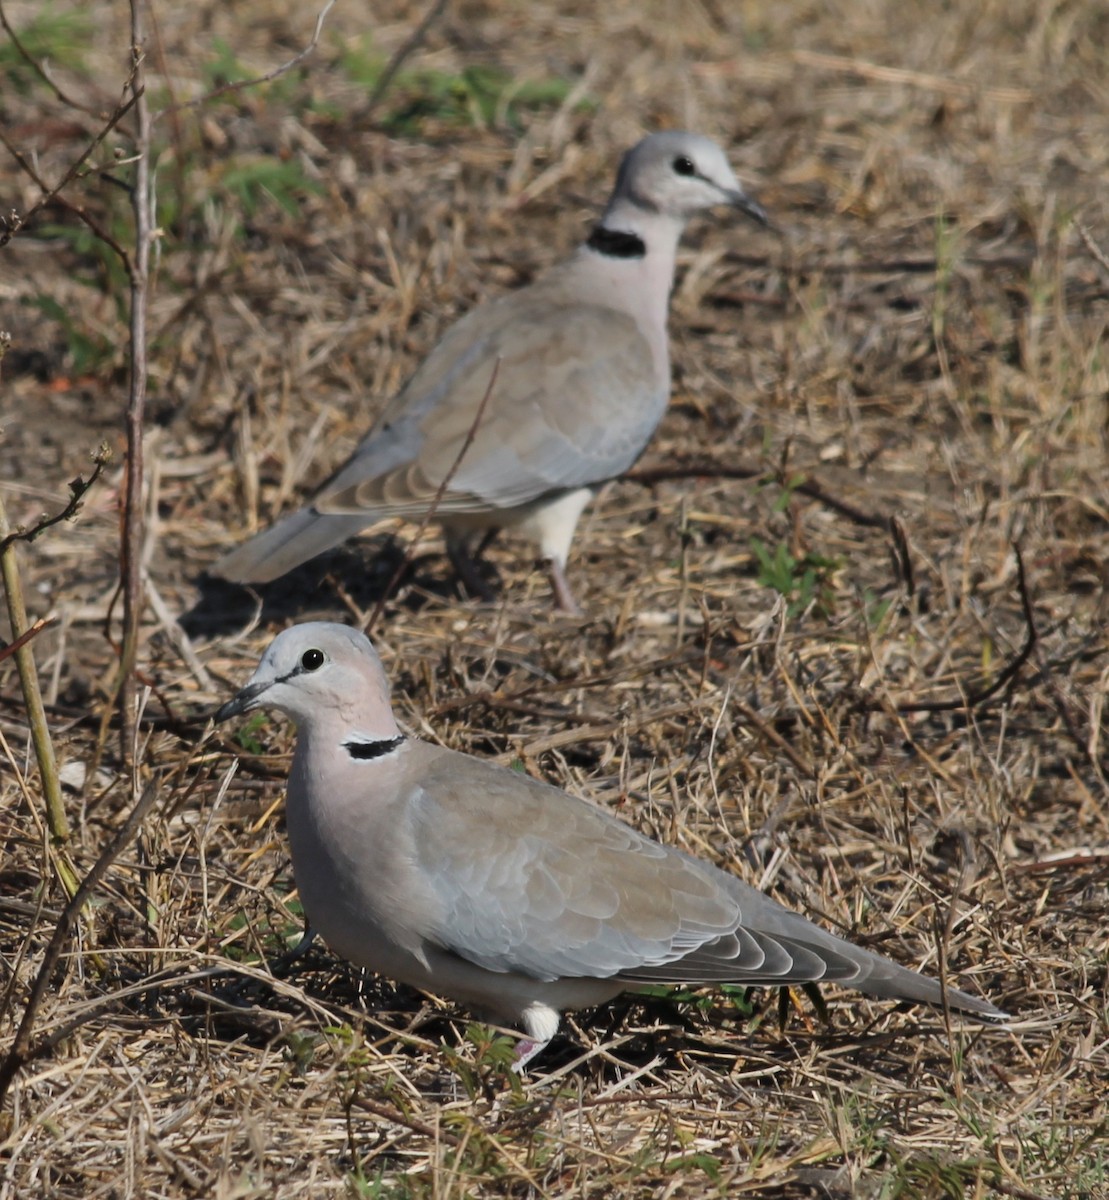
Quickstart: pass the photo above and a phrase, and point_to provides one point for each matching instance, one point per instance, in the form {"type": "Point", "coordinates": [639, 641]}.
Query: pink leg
{"type": "Point", "coordinates": [564, 598]}
{"type": "Point", "coordinates": [526, 1050]}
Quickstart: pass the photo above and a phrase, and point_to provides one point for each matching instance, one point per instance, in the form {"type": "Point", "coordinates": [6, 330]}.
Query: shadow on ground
{"type": "Point", "coordinates": [349, 581]}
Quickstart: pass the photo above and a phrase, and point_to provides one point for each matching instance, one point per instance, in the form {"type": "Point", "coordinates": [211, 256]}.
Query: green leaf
{"type": "Point", "coordinates": [283, 182]}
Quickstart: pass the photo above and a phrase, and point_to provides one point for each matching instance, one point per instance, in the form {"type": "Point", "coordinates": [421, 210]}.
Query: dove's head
{"type": "Point", "coordinates": [679, 174]}
{"type": "Point", "coordinates": [320, 673]}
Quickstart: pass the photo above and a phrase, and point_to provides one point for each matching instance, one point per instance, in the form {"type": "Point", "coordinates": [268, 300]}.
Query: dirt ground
{"type": "Point", "coordinates": [807, 651]}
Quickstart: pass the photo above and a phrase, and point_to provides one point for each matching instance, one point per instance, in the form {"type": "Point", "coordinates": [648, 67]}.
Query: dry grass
{"type": "Point", "coordinates": [927, 342]}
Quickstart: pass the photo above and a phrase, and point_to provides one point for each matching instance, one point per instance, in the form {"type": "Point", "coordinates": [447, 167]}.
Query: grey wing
{"type": "Point", "coordinates": [556, 888]}
{"type": "Point", "coordinates": [532, 881]}
{"type": "Point", "coordinates": [573, 397]}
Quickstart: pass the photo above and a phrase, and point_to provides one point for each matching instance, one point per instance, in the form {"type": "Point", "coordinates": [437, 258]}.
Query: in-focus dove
{"type": "Point", "coordinates": [576, 367]}
{"type": "Point", "coordinates": [509, 895]}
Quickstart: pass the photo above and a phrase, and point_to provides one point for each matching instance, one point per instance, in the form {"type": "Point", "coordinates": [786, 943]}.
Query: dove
{"type": "Point", "coordinates": [507, 894]}
{"type": "Point", "coordinates": [532, 400]}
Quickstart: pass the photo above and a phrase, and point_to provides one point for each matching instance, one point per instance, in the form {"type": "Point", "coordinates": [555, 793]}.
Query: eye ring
{"type": "Point", "coordinates": [683, 165]}
{"type": "Point", "coordinates": [312, 660]}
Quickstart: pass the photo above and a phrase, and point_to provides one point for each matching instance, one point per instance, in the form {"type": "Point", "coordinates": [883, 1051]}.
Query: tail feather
{"type": "Point", "coordinates": [292, 541]}
{"type": "Point", "coordinates": [885, 979]}
{"type": "Point", "coordinates": [811, 955]}
{"type": "Point", "coordinates": [817, 962]}
{"type": "Point", "coordinates": [873, 975]}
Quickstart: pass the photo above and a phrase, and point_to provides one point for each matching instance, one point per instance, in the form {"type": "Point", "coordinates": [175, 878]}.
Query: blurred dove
{"type": "Point", "coordinates": [576, 371]}
{"type": "Point", "coordinates": [509, 895]}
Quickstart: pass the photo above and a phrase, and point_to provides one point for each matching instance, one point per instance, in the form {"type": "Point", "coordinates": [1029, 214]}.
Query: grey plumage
{"type": "Point", "coordinates": [576, 367]}
{"type": "Point", "coordinates": [464, 878]}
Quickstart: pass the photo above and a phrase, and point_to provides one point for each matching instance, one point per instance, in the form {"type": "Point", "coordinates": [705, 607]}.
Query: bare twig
{"type": "Point", "coordinates": [24, 632]}
{"type": "Point", "coordinates": [1009, 673]}
{"type": "Point", "coordinates": [35, 66]}
{"type": "Point", "coordinates": [36, 715]}
{"type": "Point", "coordinates": [600, 731]}
{"type": "Point", "coordinates": [709, 469]}
{"type": "Point", "coordinates": [244, 84]}
{"type": "Point", "coordinates": [27, 636]}
{"type": "Point", "coordinates": [386, 1112]}
{"type": "Point", "coordinates": [816, 263]}
{"type": "Point", "coordinates": [52, 193]}
{"type": "Point", "coordinates": [179, 159]}
{"type": "Point", "coordinates": [402, 566]}
{"type": "Point", "coordinates": [775, 739]}
{"type": "Point", "coordinates": [1065, 862]}
{"type": "Point", "coordinates": [410, 45]}
{"type": "Point", "coordinates": [79, 211]}
{"type": "Point", "coordinates": [900, 75]}
{"type": "Point", "coordinates": [902, 558]}
{"type": "Point", "coordinates": [19, 1053]}
{"type": "Point", "coordinates": [943, 947]}
{"type": "Point", "coordinates": [177, 635]}
{"type": "Point", "coordinates": [131, 542]}
{"type": "Point", "coordinates": [77, 489]}
{"type": "Point", "coordinates": [1095, 250]}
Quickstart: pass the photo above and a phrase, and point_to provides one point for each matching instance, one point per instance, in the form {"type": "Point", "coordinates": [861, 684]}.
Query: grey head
{"type": "Point", "coordinates": [677, 175]}
{"type": "Point", "coordinates": [320, 672]}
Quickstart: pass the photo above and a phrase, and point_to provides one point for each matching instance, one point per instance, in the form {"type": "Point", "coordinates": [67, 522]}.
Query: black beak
{"type": "Point", "coordinates": [241, 702]}
{"type": "Point", "coordinates": [751, 207]}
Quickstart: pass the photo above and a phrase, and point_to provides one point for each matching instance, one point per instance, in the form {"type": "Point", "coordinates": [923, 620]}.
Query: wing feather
{"type": "Point", "coordinates": [575, 892]}
{"type": "Point", "coordinates": [529, 880]}
{"type": "Point", "coordinates": [575, 399]}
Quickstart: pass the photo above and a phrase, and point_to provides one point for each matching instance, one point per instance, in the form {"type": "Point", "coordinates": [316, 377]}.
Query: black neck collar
{"type": "Point", "coordinates": [364, 750]}
{"type": "Point", "coordinates": [615, 243]}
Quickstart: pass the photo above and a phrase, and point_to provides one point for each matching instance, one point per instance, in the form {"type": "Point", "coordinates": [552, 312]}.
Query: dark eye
{"type": "Point", "coordinates": [312, 660]}
{"type": "Point", "coordinates": [683, 166]}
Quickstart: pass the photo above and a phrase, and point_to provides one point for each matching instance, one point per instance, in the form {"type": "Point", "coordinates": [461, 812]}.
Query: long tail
{"type": "Point", "coordinates": [880, 977]}
{"type": "Point", "coordinates": [292, 541]}
{"type": "Point", "coordinates": [774, 946]}
{"type": "Point", "coordinates": [854, 966]}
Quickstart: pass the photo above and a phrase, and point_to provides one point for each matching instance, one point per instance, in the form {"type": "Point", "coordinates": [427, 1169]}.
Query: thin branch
{"type": "Point", "coordinates": [943, 945]}
{"type": "Point", "coordinates": [386, 1112]}
{"type": "Point", "coordinates": [975, 699]}
{"type": "Point", "coordinates": [27, 636]}
{"type": "Point", "coordinates": [902, 558]}
{"type": "Point", "coordinates": [901, 76]}
{"type": "Point", "coordinates": [35, 66]}
{"type": "Point", "coordinates": [177, 635]}
{"type": "Point", "coordinates": [710, 469]}
{"type": "Point", "coordinates": [1065, 862]}
{"type": "Point", "coordinates": [1095, 250]}
{"type": "Point", "coordinates": [19, 1053]}
{"type": "Point", "coordinates": [77, 489]}
{"type": "Point", "coordinates": [817, 263]}
{"type": "Point", "coordinates": [180, 157]}
{"type": "Point", "coordinates": [32, 700]}
{"type": "Point", "coordinates": [410, 45]}
{"type": "Point", "coordinates": [85, 217]}
{"type": "Point", "coordinates": [52, 194]}
{"type": "Point", "coordinates": [133, 518]}
{"type": "Point", "coordinates": [1012, 669]}
{"type": "Point", "coordinates": [547, 688]}
{"type": "Point", "coordinates": [243, 84]}
{"type": "Point", "coordinates": [429, 516]}
{"type": "Point", "coordinates": [775, 739]}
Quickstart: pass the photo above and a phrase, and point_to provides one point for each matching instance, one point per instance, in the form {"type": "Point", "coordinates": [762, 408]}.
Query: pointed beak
{"type": "Point", "coordinates": [751, 207]}
{"type": "Point", "coordinates": [241, 702]}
